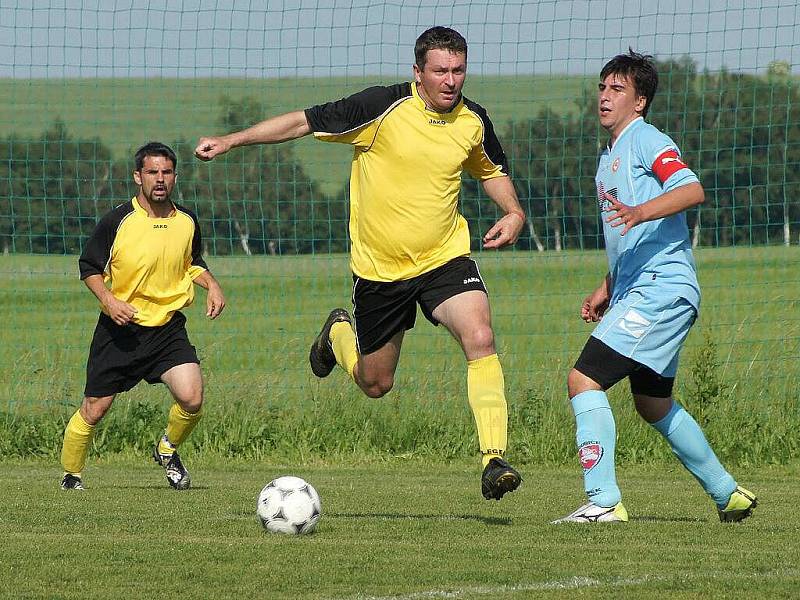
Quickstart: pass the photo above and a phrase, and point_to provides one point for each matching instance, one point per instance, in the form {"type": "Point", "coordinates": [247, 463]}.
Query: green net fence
{"type": "Point", "coordinates": [83, 83]}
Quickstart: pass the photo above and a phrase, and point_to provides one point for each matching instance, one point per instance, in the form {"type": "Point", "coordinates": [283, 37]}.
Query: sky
{"type": "Point", "coordinates": [262, 39]}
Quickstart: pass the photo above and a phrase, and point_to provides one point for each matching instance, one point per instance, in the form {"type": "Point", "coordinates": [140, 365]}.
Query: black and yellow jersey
{"type": "Point", "coordinates": [406, 176]}
{"type": "Point", "coordinates": [150, 262]}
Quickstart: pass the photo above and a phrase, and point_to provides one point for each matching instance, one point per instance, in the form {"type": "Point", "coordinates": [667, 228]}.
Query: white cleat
{"type": "Point", "coordinates": [592, 513]}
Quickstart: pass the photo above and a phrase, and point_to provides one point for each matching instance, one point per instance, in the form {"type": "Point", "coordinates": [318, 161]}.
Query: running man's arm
{"type": "Point", "coordinates": [285, 127]}
{"type": "Point", "coordinates": [95, 259]}
{"type": "Point", "coordinates": [507, 229]}
{"type": "Point", "coordinates": [596, 303]}
{"type": "Point", "coordinates": [681, 189]}
{"type": "Point", "coordinates": [120, 312]}
{"type": "Point", "coordinates": [665, 205]}
{"type": "Point", "coordinates": [215, 299]}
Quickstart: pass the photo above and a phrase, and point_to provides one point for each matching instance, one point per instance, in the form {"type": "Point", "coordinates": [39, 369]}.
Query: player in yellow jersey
{"type": "Point", "coordinates": [410, 245]}
{"type": "Point", "coordinates": [149, 251]}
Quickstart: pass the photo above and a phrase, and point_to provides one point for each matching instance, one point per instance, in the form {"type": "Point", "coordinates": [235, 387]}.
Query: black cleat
{"type": "Point", "coordinates": [177, 475]}
{"type": "Point", "coordinates": [321, 355]}
{"type": "Point", "coordinates": [71, 482]}
{"type": "Point", "coordinates": [498, 478]}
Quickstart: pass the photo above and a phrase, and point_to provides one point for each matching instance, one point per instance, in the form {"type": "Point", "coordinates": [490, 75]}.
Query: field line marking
{"type": "Point", "coordinates": [566, 584]}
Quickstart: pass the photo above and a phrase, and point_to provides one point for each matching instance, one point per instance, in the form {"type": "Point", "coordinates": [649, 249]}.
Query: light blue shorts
{"type": "Point", "coordinates": [649, 329]}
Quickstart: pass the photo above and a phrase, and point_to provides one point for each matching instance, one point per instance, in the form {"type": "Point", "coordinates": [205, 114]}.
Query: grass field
{"type": "Point", "coordinates": [403, 516]}
{"type": "Point", "coordinates": [739, 370]}
{"type": "Point", "coordinates": [394, 530]}
{"type": "Point", "coordinates": [112, 109]}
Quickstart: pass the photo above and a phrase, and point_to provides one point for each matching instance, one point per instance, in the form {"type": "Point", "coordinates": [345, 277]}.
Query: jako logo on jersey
{"type": "Point", "coordinates": [437, 122]}
{"type": "Point", "coordinates": [471, 280]}
{"type": "Point", "coordinates": [590, 454]}
{"type": "Point", "coordinates": [634, 324]}
{"type": "Point", "coordinates": [157, 226]}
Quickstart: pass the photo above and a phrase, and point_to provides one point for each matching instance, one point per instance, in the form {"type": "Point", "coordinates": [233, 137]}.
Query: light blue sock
{"type": "Point", "coordinates": [691, 447]}
{"type": "Point", "coordinates": [596, 435]}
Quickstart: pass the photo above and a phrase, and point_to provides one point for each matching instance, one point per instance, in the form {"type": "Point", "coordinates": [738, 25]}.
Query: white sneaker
{"type": "Point", "coordinates": [592, 513]}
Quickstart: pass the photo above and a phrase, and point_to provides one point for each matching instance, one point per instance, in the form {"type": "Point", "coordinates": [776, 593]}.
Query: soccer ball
{"type": "Point", "coordinates": [289, 505]}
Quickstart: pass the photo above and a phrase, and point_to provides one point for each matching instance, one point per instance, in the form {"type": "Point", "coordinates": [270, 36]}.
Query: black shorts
{"type": "Point", "coordinates": [606, 366]}
{"type": "Point", "coordinates": [122, 355]}
{"type": "Point", "coordinates": [382, 309]}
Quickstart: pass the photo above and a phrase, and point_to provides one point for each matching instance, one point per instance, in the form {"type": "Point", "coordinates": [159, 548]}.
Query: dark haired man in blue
{"type": "Point", "coordinates": [646, 303]}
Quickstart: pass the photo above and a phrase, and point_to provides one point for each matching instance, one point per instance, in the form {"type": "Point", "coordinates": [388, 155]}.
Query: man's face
{"type": "Point", "coordinates": [439, 83]}
{"type": "Point", "coordinates": [617, 103]}
{"type": "Point", "coordinates": [156, 179]}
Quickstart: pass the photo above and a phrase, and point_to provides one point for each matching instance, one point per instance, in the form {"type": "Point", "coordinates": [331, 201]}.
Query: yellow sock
{"type": "Point", "coordinates": [179, 425]}
{"type": "Point", "coordinates": [487, 399]}
{"type": "Point", "coordinates": [77, 439]}
{"type": "Point", "coordinates": [343, 341]}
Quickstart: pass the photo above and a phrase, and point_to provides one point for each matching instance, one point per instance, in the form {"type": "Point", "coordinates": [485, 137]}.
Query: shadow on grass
{"type": "Point", "coordinates": [432, 517]}
{"type": "Point", "coordinates": [157, 487]}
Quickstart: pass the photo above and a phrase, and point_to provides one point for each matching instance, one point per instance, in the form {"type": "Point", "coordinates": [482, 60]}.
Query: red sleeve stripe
{"type": "Point", "coordinates": [667, 164]}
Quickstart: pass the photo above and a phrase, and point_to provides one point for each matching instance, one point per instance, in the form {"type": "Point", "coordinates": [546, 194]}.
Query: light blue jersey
{"type": "Point", "coordinates": [643, 164]}
{"type": "Point", "coordinates": [654, 302]}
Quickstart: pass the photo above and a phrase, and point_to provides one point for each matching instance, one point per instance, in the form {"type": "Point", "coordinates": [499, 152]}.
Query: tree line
{"type": "Point", "coordinates": [739, 132]}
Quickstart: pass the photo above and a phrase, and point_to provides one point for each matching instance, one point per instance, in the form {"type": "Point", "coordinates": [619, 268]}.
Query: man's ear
{"type": "Point", "coordinates": [641, 103]}
{"type": "Point", "coordinates": [137, 178]}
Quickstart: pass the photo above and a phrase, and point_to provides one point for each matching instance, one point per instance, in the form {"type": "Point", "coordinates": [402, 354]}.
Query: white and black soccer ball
{"type": "Point", "coordinates": [289, 505]}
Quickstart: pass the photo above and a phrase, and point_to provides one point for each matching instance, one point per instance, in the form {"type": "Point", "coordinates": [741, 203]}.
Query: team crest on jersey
{"type": "Point", "coordinates": [615, 165]}
{"type": "Point", "coordinates": [590, 454]}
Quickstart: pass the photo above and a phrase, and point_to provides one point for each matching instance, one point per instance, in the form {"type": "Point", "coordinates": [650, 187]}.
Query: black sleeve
{"type": "Point", "coordinates": [355, 111]}
{"type": "Point", "coordinates": [491, 145]}
{"type": "Point", "coordinates": [97, 250]}
{"type": "Point", "coordinates": [197, 244]}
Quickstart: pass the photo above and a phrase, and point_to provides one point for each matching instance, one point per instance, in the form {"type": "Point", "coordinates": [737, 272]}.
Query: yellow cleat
{"type": "Point", "coordinates": [739, 507]}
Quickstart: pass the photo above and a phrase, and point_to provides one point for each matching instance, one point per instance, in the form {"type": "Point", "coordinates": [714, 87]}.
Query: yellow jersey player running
{"type": "Point", "coordinates": [411, 142]}
{"type": "Point", "coordinates": [149, 249]}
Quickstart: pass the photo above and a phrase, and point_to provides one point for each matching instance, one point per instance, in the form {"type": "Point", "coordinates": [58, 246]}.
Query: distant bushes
{"type": "Point", "coordinates": [738, 132]}
{"type": "Point", "coordinates": [344, 424]}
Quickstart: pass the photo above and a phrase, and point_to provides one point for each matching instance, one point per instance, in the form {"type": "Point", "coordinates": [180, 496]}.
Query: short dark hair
{"type": "Point", "coordinates": [638, 68]}
{"type": "Point", "coordinates": [155, 149]}
{"type": "Point", "coordinates": [438, 38]}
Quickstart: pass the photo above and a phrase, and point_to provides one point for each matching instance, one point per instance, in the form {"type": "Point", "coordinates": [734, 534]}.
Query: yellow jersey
{"type": "Point", "coordinates": [405, 177]}
{"type": "Point", "coordinates": [150, 262]}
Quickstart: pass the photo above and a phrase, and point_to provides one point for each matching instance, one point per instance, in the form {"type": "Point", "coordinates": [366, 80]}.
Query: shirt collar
{"type": "Point", "coordinates": [421, 103]}
{"type": "Point", "coordinates": [139, 208]}
{"type": "Point", "coordinates": [623, 132]}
